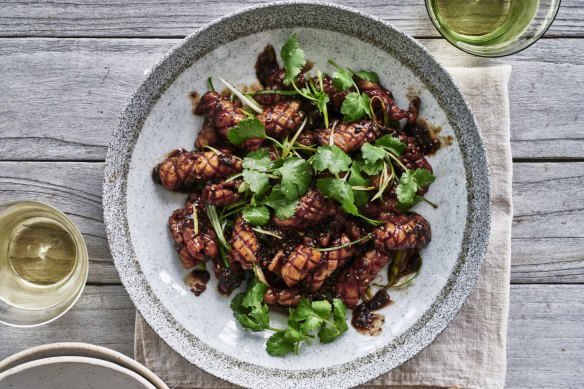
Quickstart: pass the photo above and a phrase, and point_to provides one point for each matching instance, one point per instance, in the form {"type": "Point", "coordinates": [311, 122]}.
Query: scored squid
{"type": "Point", "coordinates": [312, 208]}
{"type": "Point", "coordinates": [194, 238]}
{"type": "Point", "coordinates": [402, 232]}
{"type": "Point", "coordinates": [355, 280]}
{"type": "Point", "coordinates": [244, 243]}
{"type": "Point", "coordinates": [183, 170]}
{"type": "Point", "coordinates": [349, 136]}
{"type": "Point", "coordinates": [222, 194]}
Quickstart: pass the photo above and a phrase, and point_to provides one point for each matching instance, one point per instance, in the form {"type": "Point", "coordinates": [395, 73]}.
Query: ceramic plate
{"type": "Point", "coordinates": [80, 350]}
{"type": "Point", "coordinates": [71, 373]}
{"type": "Point", "coordinates": [158, 119]}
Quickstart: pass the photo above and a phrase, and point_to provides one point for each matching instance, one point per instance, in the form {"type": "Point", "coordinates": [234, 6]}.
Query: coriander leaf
{"type": "Point", "coordinates": [293, 335]}
{"type": "Point", "coordinates": [278, 346]}
{"type": "Point", "coordinates": [357, 179]}
{"type": "Point", "coordinates": [257, 216]}
{"type": "Point", "coordinates": [329, 333]}
{"type": "Point", "coordinates": [423, 177]}
{"type": "Point", "coordinates": [367, 75]}
{"type": "Point", "coordinates": [277, 200]}
{"type": "Point", "coordinates": [258, 182]}
{"type": "Point", "coordinates": [409, 183]}
{"type": "Point", "coordinates": [257, 160]}
{"type": "Point", "coordinates": [330, 158]}
{"type": "Point", "coordinates": [406, 206]}
{"type": "Point", "coordinates": [407, 188]}
{"type": "Point", "coordinates": [293, 58]}
{"type": "Point", "coordinates": [340, 314]}
{"type": "Point", "coordinates": [311, 320]}
{"type": "Point", "coordinates": [392, 144]}
{"type": "Point", "coordinates": [342, 79]}
{"type": "Point", "coordinates": [372, 154]}
{"type": "Point", "coordinates": [355, 106]}
{"type": "Point", "coordinates": [322, 308]}
{"type": "Point", "coordinates": [338, 190]}
{"type": "Point", "coordinates": [366, 168]}
{"type": "Point", "coordinates": [246, 129]}
{"type": "Point", "coordinates": [296, 177]}
{"type": "Point", "coordinates": [249, 309]}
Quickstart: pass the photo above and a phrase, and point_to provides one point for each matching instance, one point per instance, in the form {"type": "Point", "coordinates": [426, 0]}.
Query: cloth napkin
{"type": "Point", "coordinates": [471, 352]}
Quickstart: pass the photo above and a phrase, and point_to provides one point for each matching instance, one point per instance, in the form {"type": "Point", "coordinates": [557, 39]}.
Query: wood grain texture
{"type": "Point", "coordinates": [61, 98]}
{"type": "Point", "coordinates": [544, 320]}
{"type": "Point", "coordinates": [548, 198]}
{"type": "Point", "coordinates": [104, 315]}
{"type": "Point", "coordinates": [92, 18]}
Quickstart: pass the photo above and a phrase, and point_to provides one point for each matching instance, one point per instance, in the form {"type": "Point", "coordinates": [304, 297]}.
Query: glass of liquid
{"type": "Point", "coordinates": [43, 263]}
{"type": "Point", "coordinates": [492, 28]}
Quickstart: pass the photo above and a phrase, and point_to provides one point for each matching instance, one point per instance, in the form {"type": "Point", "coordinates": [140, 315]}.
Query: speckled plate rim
{"type": "Point", "coordinates": [328, 17]}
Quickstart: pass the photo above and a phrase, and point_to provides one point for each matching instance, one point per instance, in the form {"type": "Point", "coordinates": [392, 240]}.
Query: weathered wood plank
{"type": "Point", "coordinates": [61, 98]}
{"type": "Point", "coordinates": [179, 18]}
{"type": "Point", "coordinates": [548, 242]}
{"type": "Point", "coordinates": [104, 315]}
{"type": "Point", "coordinates": [544, 337]}
{"type": "Point", "coordinates": [544, 319]}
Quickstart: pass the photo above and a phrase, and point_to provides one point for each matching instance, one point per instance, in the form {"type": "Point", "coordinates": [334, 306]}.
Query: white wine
{"type": "Point", "coordinates": [483, 22]}
{"type": "Point", "coordinates": [40, 250]}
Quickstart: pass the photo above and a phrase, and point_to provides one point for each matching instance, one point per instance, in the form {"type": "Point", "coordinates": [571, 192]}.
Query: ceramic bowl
{"type": "Point", "coordinates": [158, 119]}
{"type": "Point", "coordinates": [74, 349]}
{"type": "Point", "coordinates": [72, 373]}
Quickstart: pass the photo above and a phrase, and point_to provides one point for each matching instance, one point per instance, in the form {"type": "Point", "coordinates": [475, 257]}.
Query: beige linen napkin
{"type": "Point", "coordinates": [470, 353]}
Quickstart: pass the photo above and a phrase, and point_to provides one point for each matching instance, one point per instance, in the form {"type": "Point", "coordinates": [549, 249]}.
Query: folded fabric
{"type": "Point", "coordinates": [471, 352]}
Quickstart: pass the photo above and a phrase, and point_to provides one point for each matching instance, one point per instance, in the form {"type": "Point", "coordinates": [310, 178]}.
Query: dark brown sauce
{"type": "Point", "coordinates": [446, 140]}
{"type": "Point", "coordinates": [195, 100]}
{"type": "Point", "coordinates": [197, 280]}
{"type": "Point", "coordinates": [367, 322]}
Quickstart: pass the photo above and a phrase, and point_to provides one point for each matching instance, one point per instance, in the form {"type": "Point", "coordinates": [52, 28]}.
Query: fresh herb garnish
{"type": "Point", "coordinates": [296, 175]}
{"type": "Point", "coordinates": [305, 322]}
{"type": "Point", "coordinates": [409, 183]}
{"type": "Point", "coordinates": [257, 216]}
{"type": "Point", "coordinates": [278, 201]}
{"type": "Point", "coordinates": [293, 58]}
{"type": "Point", "coordinates": [330, 158]}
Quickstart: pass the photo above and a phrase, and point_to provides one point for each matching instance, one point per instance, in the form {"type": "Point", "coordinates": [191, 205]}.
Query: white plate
{"type": "Point", "coordinates": [80, 350]}
{"type": "Point", "coordinates": [71, 373]}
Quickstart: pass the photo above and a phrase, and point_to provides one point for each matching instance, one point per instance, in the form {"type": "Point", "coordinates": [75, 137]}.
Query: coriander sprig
{"type": "Point", "coordinates": [308, 320]}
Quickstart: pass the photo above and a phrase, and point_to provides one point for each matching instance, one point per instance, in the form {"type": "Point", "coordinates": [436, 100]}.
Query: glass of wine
{"type": "Point", "coordinates": [492, 28]}
{"type": "Point", "coordinates": [43, 263]}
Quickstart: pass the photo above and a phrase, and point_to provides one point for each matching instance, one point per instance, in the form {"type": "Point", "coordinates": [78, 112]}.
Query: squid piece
{"type": "Point", "coordinates": [298, 263]}
{"type": "Point", "coordinates": [306, 138]}
{"type": "Point", "coordinates": [288, 297]}
{"type": "Point", "coordinates": [207, 136]}
{"type": "Point", "coordinates": [183, 171]}
{"type": "Point", "coordinates": [224, 115]}
{"type": "Point", "coordinates": [194, 238]}
{"type": "Point", "coordinates": [282, 119]}
{"type": "Point", "coordinates": [402, 232]}
{"type": "Point", "coordinates": [312, 208]}
{"type": "Point", "coordinates": [349, 136]}
{"type": "Point", "coordinates": [244, 243]}
{"type": "Point", "coordinates": [276, 82]}
{"type": "Point", "coordinates": [222, 194]}
{"type": "Point", "coordinates": [355, 280]}
{"type": "Point", "coordinates": [332, 261]}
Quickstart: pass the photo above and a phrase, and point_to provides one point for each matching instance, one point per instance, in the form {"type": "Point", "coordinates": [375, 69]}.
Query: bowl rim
{"type": "Point", "coordinates": [358, 371]}
{"type": "Point", "coordinates": [75, 349]}
{"type": "Point", "coordinates": [77, 360]}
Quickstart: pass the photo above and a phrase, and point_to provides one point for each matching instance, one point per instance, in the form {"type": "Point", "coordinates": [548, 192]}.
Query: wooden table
{"type": "Point", "coordinates": [67, 68]}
